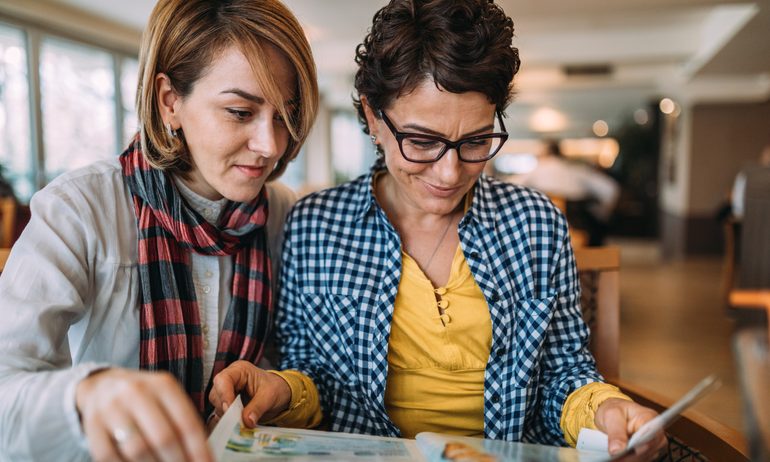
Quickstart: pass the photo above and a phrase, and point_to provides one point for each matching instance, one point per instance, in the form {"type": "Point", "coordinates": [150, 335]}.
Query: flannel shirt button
{"type": "Point", "coordinates": [443, 304]}
{"type": "Point", "coordinates": [474, 254]}
{"type": "Point", "coordinates": [501, 352]}
{"type": "Point", "coordinates": [494, 297]}
{"type": "Point", "coordinates": [206, 289]}
{"type": "Point", "coordinates": [208, 274]}
{"type": "Point", "coordinates": [496, 398]}
{"type": "Point", "coordinates": [440, 290]}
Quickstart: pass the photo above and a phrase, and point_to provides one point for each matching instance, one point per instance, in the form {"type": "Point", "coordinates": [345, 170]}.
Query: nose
{"type": "Point", "coordinates": [448, 167]}
{"type": "Point", "coordinates": [263, 137]}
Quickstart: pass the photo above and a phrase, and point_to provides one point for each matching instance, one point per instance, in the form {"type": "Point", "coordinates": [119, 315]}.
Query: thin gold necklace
{"type": "Point", "coordinates": [438, 245]}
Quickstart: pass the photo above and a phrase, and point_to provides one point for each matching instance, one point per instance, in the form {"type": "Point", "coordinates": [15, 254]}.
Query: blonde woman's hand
{"type": "Point", "coordinates": [269, 394]}
{"type": "Point", "coordinates": [134, 415]}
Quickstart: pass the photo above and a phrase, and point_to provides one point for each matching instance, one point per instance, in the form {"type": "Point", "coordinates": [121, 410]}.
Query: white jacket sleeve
{"type": "Point", "coordinates": [43, 291]}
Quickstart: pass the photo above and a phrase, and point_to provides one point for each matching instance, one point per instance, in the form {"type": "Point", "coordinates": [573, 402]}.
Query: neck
{"type": "Point", "coordinates": [400, 209]}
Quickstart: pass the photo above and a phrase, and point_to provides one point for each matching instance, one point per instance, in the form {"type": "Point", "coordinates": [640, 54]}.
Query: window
{"type": "Point", "coordinates": [86, 97]}
{"type": "Point", "coordinates": [16, 160]}
{"type": "Point", "coordinates": [352, 152]}
{"type": "Point", "coordinates": [78, 106]}
{"type": "Point", "coordinates": [129, 75]}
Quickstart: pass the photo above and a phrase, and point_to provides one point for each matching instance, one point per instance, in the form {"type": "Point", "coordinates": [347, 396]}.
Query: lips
{"type": "Point", "coordinates": [251, 171]}
{"type": "Point", "coordinates": [441, 191]}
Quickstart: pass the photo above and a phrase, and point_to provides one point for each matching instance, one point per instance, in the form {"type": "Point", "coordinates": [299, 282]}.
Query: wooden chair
{"type": "Point", "coordinates": [599, 272]}
{"type": "Point", "coordinates": [731, 232]}
{"type": "Point", "coordinates": [751, 299]}
{"type": "Point", "coordinates": [696, 437]}
{"type": "Point", "coordinates": [3, 258]}
{"type": "Point", "coordinates": [7, 221]}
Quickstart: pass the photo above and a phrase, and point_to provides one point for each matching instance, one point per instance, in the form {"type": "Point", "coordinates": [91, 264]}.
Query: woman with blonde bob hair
{"type": "Point", "coordinates": [138, 280]}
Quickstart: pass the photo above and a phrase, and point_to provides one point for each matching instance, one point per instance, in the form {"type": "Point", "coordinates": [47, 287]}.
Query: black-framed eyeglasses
{"type": "Point", "coordinates": [424, 149]}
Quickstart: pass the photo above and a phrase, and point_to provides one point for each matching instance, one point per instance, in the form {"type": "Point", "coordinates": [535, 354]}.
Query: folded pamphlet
{"type": "Point", "coordinates": [232, 442]}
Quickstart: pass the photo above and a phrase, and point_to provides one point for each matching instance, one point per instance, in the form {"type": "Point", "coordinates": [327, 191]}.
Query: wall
{"type": "Point", "coordinates": [711, 144]}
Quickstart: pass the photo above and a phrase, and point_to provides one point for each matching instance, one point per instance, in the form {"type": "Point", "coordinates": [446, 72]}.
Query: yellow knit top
{"type": "Point", "coordinates": [436, 361]}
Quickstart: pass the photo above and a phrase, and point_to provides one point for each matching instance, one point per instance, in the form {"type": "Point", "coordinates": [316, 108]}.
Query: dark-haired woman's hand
{"type": "Point", "coordinates": [269, 394]}
{"type": "Point", "coordinates": [619, 419]}
{"type": "Point", "coordinates": [135, 415]}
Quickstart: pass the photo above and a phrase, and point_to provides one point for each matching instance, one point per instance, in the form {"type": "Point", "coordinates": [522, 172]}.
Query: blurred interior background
{"type": "Point", "coordinates": [669, 98]}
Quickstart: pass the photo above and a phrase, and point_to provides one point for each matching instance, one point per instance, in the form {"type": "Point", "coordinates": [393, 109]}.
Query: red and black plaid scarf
{"type": "Point", "coordinates": [168, 230]}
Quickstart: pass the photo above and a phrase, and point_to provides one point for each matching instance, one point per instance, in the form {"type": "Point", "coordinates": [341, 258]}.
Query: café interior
{"type": "Point", "coordinates": [667, 101]}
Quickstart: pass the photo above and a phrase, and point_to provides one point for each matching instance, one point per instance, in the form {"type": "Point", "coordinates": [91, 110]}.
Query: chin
{"type": "Point", "coordinates": [241, 195]}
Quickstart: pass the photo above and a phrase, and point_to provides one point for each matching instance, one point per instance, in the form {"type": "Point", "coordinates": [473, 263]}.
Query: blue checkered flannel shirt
{"type": "Point", "coordinates": [340, 274]}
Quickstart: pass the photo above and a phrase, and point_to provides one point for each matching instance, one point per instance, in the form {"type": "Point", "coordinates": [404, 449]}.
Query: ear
{"type": "Point", "coordinates": [371, 119]}
{"type": "Point", "coordinates": [168, 100]}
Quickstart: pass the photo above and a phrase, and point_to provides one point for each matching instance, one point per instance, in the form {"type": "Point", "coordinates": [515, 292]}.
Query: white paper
{"type": "Point", "coordinates": [592, 440]}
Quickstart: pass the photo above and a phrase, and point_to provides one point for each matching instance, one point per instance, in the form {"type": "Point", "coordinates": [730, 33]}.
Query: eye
{"type": "Point", "coordinates": [482, 142]}
{"type": "Point", "coordinates": [277, 118]}
{"type": "Point", "coordinates": [422, 143]}
{"type": "Point", "coordinates": [239, 114]}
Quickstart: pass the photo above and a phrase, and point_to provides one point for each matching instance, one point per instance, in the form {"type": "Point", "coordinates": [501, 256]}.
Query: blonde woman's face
{"type": "Point", "coordinates": [234, 136]}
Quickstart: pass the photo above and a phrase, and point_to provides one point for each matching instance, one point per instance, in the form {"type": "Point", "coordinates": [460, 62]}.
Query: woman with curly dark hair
{"type": "Point", "coordinates": [425, 296]}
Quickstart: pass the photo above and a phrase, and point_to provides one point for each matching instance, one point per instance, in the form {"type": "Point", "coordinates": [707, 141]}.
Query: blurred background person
{"type": "Point", "coordinates": [590, 195]}
{"type": "Point", "coordinates": [738, 195]}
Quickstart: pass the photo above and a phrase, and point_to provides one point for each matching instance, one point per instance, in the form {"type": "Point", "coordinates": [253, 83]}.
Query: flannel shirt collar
{"type": "Point", "coordinates": [483, 209]}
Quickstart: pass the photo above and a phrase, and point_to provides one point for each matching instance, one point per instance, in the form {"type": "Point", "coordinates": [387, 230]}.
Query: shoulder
{"type": "Point", "coordinates": [280, 197]}
{"type": "Point", "coordinates": [100, 185]}
{"type": "Point", "coordinates": [345, 200]}
{"type": "Point", "coordinates": [516, 200]}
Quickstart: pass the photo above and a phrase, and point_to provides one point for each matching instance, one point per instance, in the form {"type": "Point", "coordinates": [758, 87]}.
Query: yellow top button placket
{"type": "Point", "coordinates": [442, 305]}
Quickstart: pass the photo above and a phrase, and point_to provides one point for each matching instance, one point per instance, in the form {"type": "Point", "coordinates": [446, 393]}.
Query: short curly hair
{"type": "Point", "coordinates": [462, 45]}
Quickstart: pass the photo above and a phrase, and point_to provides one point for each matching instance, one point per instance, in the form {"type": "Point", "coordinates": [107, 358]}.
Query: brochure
{"type": "Point", "coordinates": [232, 442]}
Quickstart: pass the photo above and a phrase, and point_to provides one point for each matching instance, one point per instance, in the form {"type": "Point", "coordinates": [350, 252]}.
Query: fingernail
{"type": "Point", "coordinates": [615, 446]}
{"type": "Point", "coordinates": [224, 407]}
{"type": "Point", "coordinates": [253, 419]}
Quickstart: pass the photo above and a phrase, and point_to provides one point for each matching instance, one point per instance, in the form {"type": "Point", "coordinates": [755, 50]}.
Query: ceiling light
{"type": "Point", "coordinates": [601, 128]}
{"type": "Point", "coordinates": [641, 116]}
{"type": "Point", "coordinates": [546, 119]}
{"type": "Point", "coordinates": [667, 106]}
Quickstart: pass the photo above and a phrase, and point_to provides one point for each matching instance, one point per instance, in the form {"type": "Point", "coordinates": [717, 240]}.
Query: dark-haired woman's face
{"type": "Point", "coordinates": [438, 187]}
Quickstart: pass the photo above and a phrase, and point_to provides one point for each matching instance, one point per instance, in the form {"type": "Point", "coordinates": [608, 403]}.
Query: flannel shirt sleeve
{"type": "Point", "coordinates": [567, 363]}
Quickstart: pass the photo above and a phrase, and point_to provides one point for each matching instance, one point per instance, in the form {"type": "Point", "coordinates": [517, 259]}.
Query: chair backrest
{"type": "Point", "coordinates": [7, 221]}
{"type": "Point", "coordinates": [599, 272]}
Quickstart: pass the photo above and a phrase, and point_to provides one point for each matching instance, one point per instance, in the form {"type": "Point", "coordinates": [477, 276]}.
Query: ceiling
{"type": "Point", "coordinates": [693, 51]}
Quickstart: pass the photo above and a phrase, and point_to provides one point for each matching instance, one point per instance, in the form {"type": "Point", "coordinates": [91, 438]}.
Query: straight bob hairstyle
{"type": "Point", "coordinates": [462, 45]}
{"type": "Point", "coordinates": [183, 37]}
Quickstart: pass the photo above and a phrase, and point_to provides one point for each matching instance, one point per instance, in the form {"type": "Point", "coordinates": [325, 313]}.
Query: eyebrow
{"type": "Point", "coordinates": [429, 131]}
{"type": "Point", "coordinates": [248, 96]}
{"type": "Point", "coordinates": [254, 98]}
